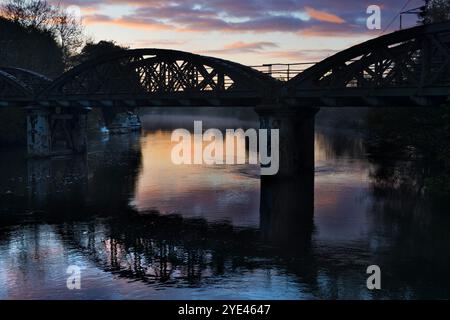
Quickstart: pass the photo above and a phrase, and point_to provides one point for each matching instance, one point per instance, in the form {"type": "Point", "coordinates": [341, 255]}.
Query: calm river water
{"type": "Point", "coordinates": [140, 227]}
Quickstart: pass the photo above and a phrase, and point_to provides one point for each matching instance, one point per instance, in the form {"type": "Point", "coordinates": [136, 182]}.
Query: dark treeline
{"type": "Point", "coordinates": [29, 48]}
{"type": "Point", "coordinates": [412, 145]}
{"type": "Point", "coordinates": [412, 149]}
{"type": "Point", "coordinates": [44, 38]}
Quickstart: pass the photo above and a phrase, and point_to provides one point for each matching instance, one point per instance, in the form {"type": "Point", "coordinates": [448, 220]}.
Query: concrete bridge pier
{"type": "Point", "coordinates": [287, 198]}
{"type": "Point", "coordinates": [56, 131]}
{"type": "Point", "coordinates": [38, 132]}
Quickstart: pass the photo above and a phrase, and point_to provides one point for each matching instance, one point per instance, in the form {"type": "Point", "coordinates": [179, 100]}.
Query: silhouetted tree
{"type": "Point", "coordinates": [28, 48]}
{"type": "Point", "coordinates": [92, 50]}
{"type": "Point", "coordinates": [435, 11]}
{"type": "Point", "coordinates": [38, 36]}
{"type": "Point", "coordinates": [65, 27]}
{"type": "Point", "coordinates": [420, 135]}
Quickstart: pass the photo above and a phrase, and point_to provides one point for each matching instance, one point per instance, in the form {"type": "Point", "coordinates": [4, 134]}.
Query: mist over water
{"type": "Point", "coordinates": [142, 228]}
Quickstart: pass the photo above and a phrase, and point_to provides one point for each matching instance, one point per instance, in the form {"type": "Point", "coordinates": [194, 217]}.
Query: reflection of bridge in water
{"type": "Point", "coordinates": [165, 249]}
{"type": "Point", "coordinates": [403, 69]}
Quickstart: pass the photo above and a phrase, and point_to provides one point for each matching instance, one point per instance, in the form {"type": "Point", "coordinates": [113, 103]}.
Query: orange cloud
{"type": "Point", "coordinates": [323, 16]}
{"type": "Point", "coordinates": [127, 23]}
{"type": "Point", "coordinates": [141, 25]}
{"type": "Point", "coordinates": [88, 10]}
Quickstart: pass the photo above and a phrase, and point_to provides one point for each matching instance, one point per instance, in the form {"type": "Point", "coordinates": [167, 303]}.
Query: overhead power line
{"type": "Point", "coordinates": [396, 16]}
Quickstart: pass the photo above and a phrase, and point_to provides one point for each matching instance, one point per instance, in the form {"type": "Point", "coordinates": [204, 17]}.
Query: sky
{"type": "Point", "coordinates": [251, 32]}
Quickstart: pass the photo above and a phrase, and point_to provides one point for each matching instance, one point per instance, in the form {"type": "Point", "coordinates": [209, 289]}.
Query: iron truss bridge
{"type": "Point", "coordinates": [405, 68]}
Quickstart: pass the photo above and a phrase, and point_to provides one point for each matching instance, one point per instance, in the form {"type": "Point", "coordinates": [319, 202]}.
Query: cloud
{"type": "Point", "coordinates": [340, 30]}
{"type": "Point", "coordinates": [162, 42]}
{"type": "Point", "coordinates": [251, 46]}
{"type": "Point", "coordinates": [127, 22]}
{"type": "Point", "coordinates": [243, 47]}
{"type": "Point", "coordinates": [306, 17]}
{"type": "Point", "coordinates": [272, 52]}
{"type": "Point", "coordinates": [265, 24]}
{"type": "Point", "coordinates": [302, 55]}
{"type": "Point", "coordinates": [324, 16]}
{"type": "Point", "coordinates": [157, 43]}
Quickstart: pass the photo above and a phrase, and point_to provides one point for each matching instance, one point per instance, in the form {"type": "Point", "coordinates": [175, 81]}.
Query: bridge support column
{"type": "Point", "coordinates": [77, 137]}
{"type": "Point", "coordinates": [39, 140]}
{"type": "Point", "coordinates": [287, 198]}
{"type": "Point", "coordinates": [56, 131]}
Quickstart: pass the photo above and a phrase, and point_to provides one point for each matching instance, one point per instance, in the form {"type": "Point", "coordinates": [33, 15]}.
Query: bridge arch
{"type": "Point", "coordinates": [17, 84]}
{"type": "Point", "coordinates": [158, 77]}
{"type": "Point", "coordinates": [405, 68]}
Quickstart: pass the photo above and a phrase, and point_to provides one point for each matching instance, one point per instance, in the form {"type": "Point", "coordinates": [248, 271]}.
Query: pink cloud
{"type": "Point", "coordinates": [323, 16]}
{"type": "Point", "coordinates": [328, 17]}
{"type": "Point", "coordinates": [126, 22]}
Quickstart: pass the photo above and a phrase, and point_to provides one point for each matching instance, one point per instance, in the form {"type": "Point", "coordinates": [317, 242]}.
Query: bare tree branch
{"type": "Point", "coordinates": [39, 14]}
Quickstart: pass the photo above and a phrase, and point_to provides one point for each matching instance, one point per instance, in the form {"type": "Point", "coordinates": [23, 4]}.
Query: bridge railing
{"type": "Point", "coordinates": [283, 71]}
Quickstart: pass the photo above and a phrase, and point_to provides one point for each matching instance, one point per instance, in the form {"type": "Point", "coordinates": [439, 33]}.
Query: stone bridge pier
{"type": "Point", "coordinates": [53, 131]}
{"type": "Point", "coordinates": [287, 198]}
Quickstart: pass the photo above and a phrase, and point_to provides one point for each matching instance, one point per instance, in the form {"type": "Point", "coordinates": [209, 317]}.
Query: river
{"type": "Point", "coordinates": [140, 227]}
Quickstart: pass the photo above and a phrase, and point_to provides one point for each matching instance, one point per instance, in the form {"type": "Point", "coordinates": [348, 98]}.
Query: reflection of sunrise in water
{"type": "Point", "coordinates": [217, 192]}
{"type": "Point", "coordinates": [231, 192]}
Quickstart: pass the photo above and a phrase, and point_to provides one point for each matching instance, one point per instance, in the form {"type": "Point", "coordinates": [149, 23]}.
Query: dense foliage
{"type": "Point", "coordinates": [435, 11]}
{"type": "Point", "coordinates": [29, 48]}
{"type": "Point", "coordinates": [38, 36]}
{"type": "Point", "coordinates": [415, 142]}
{"type": "Point", "coordinates": [420, 139]}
